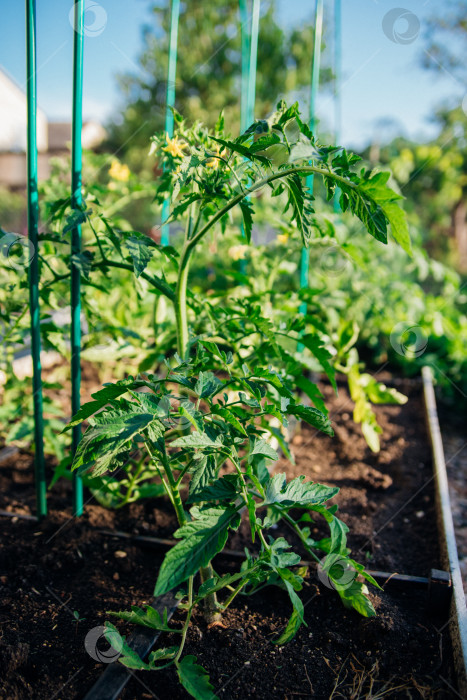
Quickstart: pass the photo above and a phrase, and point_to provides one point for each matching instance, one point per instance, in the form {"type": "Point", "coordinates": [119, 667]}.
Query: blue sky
{"type": "Point", "coordinates": [381, 79]}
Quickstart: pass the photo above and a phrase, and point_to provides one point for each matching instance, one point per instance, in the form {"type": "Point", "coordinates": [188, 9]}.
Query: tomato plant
{"type": "Point", "coordinates": [211, 409]}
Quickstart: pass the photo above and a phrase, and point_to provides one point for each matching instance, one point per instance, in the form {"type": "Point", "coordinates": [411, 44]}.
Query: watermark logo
{"type": "Point", "coordinates": [332, 262]}
{"type": "Point", "coordinates": [409, 341]}
{"type": "Point", "coordinates": [401, 26]}
{"type": "Point", "coordinates": [176, 414]}
{"type": "Point", "coordinates": [106, 656]}
{"type": "Point", "coordinates": [18, 251]}
{"type": "Point", "coordinates": [95, 18]}
{"type": "Point", "coordinates": [335, 571]}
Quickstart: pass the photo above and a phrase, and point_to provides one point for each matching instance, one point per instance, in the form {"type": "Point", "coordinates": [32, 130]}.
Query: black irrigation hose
{"type": "Point", "coordinates": [21, 516]}
{"type": "Point", "coordinates": [115, 677]}
{"type": "Point", "coordinates": [437, 583]}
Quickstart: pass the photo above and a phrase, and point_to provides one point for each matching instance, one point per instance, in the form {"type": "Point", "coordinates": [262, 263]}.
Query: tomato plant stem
{"type": "Point", "coordinates": [181, 317]}
{"type": "Point", "coordinates": [177, 501]}
{"type": "Point", "coordinates": [302, 537]}
{"type": "Point", "coordinates": [188, 618]}
{"type": "Point", "coordinates": [132, 483]}
{"type": "Point", "coordinates": [302, 169]}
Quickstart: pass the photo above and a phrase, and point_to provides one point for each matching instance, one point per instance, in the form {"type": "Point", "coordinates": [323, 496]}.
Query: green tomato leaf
{"type": "Point", "coordinates": [195, 679]}
{"type": "Point", "coordinates": [291, 630]}
{"type": "Point", "coordinates": [195, 417]}
{"type": "Point", "coordinates": [378, 392]}
{"type": "Point", "coordinates": [139, 247]}
{"type": "Point", "coordinates": [262, 447]}
{"type": "Point", "coordinates": [315, 345]}
{"type": "Point", "coordinates": [147, 617]}
{"type": "Point", "coordinates": [162, 655]}
{"type": "Point", "coordinates": [202, 472]}
{"type": "Point", "coordinates": [128, 657]}
{"type": "Point", "coordinates": [225, 488]}
{"type": "Point", "coordinates": [312, 416]}
{"type": "Point", "coordinates": [297, 492]}
{"type": "Point", "coordinates": [229, 417]}
{"type": "Point", "coordinates": [201, 539]}
{"type": "Point", "coordinates": [74, 219]}
{"type": "Point", "coordinates": [101, 398]}
{"type": "Point", "coordinates": [339, 532]}
{"type": "Point", "coordinates": [247, 213]}
{"type": "Point", "coordinates": [105, 444]}
{"type": "Point", "coordinates": [207, 385]}
{"type": "Point", "coordinates": [197, 440]}
{"type": "Point", "coordinates": [312, 391]}
{"type": "Point", "coordinates": [356, 596]}
{"type": "Point", "coordinates": [299, 202]}
{"type": "Point", "coordinates": [399, 228]}
{"type": "Point", "coordinates": [360, 199]}
{"type": "Point", "coordinates": [83, 262]}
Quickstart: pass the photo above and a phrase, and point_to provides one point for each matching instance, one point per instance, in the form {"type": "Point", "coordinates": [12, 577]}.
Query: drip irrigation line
{"type": "Point", "coordinates": [116, 676]}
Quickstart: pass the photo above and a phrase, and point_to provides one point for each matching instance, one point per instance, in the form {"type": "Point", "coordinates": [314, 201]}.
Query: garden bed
{"type": "Point", "coordinates": [50, 570]}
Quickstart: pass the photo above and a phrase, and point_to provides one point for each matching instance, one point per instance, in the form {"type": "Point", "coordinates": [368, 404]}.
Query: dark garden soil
{"type": "Point", "coordinates": [59, 577]}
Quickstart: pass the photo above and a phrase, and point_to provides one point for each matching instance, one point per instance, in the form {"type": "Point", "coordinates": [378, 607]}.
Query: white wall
{"type": "Point", "coordinates": [13, 118]}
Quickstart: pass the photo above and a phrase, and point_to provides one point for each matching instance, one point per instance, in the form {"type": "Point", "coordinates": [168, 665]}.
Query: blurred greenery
{"type": "Point", "coordinates": [433, 178]}
{"type": "Point", "coordinates": [404, 312]}
{"type": "Point", "coordinates": [446, 39]}
{"type": "Point", "coordinates": [209, 38]}
{"type": "Point", "coordinates": [12, 210]}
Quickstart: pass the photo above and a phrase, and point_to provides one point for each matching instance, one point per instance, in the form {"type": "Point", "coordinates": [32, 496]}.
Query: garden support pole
{"type": "Point", "coordinates": [33, 234]}
{"type": "Point", "coordinates": [76, 203]}
{"type": "Point", "coordinates": [245, 42]}
{"type": "Point", "coordinates": [317, 34]}
{"type": "Point", "coordinates": [337, 84]}
{"type": "Point", "coordinates": [249, 34]}
{"type": "Point", "coordinates": [170, 101]}
{"type": "Point", "coordinates": [252, 65]}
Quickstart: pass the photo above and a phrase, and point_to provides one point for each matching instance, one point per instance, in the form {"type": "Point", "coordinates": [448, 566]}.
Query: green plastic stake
{"type": "Point", "coordinates": [337, 84]}
{"type": "Point", "coordinates": [253, 60]}
{"type": "Point", "coordinates": [249, 64]}
{"type": "Point", "coordinates": [76, 203]}
{"type": "Point", "coordinates": [33, 271]}
{"type": "Point", "coordinates": [170, 101]}
{"type": "Point", "coordinates": [245, 44]}
{"type": "Point", "coordinates": [317, 35]}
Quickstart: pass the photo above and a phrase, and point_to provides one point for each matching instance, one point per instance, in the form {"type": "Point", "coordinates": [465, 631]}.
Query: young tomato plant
{"type": "Point", "coordinates": [211, 409]}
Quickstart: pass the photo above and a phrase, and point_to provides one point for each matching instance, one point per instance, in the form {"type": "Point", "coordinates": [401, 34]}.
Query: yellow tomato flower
{"type": "Point", "coordinates": [214, 161]}
{"type": "Point", "coordinates": [282, 238]}
{"type": "Point", "coordinates": [119, 171]}
{"type": "Point", "coordinates": [174, 147]}
{"type": "Point", "coordinates": [238, 252]}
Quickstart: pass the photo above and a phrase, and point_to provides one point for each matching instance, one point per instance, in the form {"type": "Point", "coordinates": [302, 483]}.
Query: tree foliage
{"type": "Point", "coordinates": [209, 69]}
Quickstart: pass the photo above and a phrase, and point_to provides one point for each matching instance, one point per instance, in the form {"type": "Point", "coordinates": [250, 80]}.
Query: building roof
{"type": "Point", "coordinates": [13, 117]}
